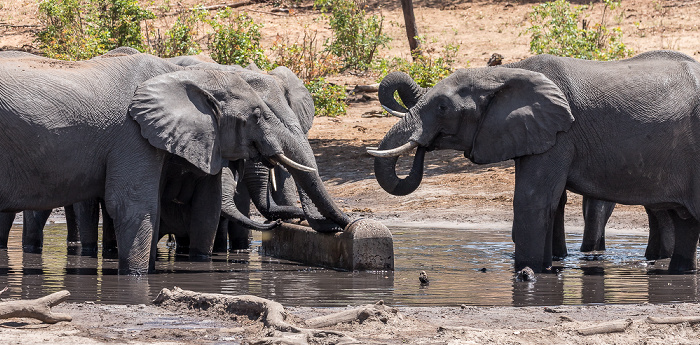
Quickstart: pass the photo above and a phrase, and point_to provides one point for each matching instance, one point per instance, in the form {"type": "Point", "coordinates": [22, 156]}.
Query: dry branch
{"type": "Point", "coordinates": [606, 327]}
{"type": "Point", "coordinates": [673, 320]}
{"type": "Point", "coordinates": [233, 5]}
{"type": "Point", "coordinates": [39, 308]}
{"type": "Point", "coordinates": [272, 313]}
{"type": "Point", "coordinates": [377, 311]}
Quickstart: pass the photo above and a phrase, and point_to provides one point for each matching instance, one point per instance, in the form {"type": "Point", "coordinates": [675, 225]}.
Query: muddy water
{"type": "Point", "coordinates": [469, 267]}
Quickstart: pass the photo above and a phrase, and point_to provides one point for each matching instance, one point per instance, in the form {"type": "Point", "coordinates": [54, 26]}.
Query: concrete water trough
{"type": "Point", "coordinates": [364, 245]}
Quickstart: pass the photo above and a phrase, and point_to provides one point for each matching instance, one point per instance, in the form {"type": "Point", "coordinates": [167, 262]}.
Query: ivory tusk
{"type": "Point", "coordinates": [273, 180]}
{"type": "Point", "coordinates": [292, 164]}
{"type": "Point", "coordinates": [405, 148]}
{"type": "Point", "coordinates": [393, 112]}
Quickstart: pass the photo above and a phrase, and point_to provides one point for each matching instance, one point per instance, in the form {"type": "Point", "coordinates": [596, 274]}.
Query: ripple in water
{"type": "Point", "coordinates": [469, 267]}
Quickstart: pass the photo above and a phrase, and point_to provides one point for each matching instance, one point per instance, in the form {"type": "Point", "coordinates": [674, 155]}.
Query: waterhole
{"type": "Point", "coordinates": [471, 267]}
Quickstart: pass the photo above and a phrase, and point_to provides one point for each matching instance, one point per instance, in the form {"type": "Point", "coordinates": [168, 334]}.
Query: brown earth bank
{"type": "Point", "coordinates": [454, 192]}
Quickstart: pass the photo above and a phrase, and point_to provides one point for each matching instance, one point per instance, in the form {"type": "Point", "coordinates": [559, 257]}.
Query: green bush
{"type": "Point", "coordinates": [305, 58]}
{"type": "Point", "coordinates": [356, 35]}
{"type": "Point", "coordinates": [180, 39]}
{"type": "Point", "coordinates": [329, 99]}
{"type": "Point", "coordinates": [555, 31]}
{"type": "Point", "coordinates": [425, 69]}
{"type": "Point", "coordinates": [236, 40]}
{"type": "Point", "coordinates": [82, 29]}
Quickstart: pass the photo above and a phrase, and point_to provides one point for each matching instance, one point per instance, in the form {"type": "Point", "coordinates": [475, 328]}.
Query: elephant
{"type": "Point", "coordinates": [104, 128]}
{"type": "Point", "coordinates": [600, 129]}
{"type": "Point", "coordinates": [289, 99]}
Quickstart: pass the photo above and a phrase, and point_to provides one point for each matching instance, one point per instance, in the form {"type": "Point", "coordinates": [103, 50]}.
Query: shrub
{"type": "Point", "coordinates": [306, 59]}
{"type": "Point", "coordinates": [329, 99]}
{"type": "Point", "coordinates": [555, 31]}
{"type": "Point", "coordinates": [180, 38]}
{"type": "Point", "coordinates": [425, 69]}
{"type": "Point", "coordinates": [236, 40]}
{"type": "Point", "coordinates": [356, 35]}
{"type": "Point", "coordinates": [82, 29]}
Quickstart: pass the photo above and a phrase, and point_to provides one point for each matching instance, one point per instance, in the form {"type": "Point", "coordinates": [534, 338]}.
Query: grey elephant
{"type": "Point", "coordinates": [595, 212]}
{"type": "Point", "coordinates": [289, 99]}
{"type": "Point", "coordinates": [103, 129]}
{"type": "Point", "coordinates": [601, 129]}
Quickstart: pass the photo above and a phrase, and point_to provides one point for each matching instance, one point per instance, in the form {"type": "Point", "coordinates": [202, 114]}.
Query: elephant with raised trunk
{"type": "Point", "coordinates": [104, 128]}
{"type": "Point", "coordinates": [622, 131]}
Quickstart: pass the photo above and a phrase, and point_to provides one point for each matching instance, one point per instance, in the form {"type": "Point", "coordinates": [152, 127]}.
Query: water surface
{"type": "Point", "coordinates": [472, 267]}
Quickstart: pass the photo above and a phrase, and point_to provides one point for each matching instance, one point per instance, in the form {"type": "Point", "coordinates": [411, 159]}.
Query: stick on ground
{"type": "Point", "coordinates": [39, 308]}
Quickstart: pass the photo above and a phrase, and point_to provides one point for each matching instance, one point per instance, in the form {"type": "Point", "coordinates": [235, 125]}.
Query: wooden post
{"type": "Point", "coordinates": [411, 29]}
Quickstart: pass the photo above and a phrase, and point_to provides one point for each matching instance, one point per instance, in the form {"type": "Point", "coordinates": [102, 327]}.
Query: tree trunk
{"type": "Point", "coordinates": [411, 29]}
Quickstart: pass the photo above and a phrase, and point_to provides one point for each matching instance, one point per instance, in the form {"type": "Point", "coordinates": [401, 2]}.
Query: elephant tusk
{"type": "Point", "coordinates": [405, 148]}
{"type": "Point", "coordinates": [393, 112]}
{"type": "Point", "coordinates": [292, 164]}
{"type": "Point", "coordinates": [273, 180]}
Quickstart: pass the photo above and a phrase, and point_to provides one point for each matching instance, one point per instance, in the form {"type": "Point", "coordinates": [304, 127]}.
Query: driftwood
{"type": "Point", "coordinates": [39, 308]}
{"type": "Point", "coordinates": [606, 327]}
{"type": "Point", "coordinates": [673, 320]}
{"type": "Point", "coordinates": [272, 313]}
{"type": "Point", "coordinates": [378, 311]}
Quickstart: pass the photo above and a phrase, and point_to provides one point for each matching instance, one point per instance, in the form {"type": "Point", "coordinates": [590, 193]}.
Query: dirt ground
{"type": "Point", "coordinates": [454, 192]}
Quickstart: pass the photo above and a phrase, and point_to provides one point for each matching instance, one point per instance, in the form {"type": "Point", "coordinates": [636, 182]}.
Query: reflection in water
{"type": "Point", "coordinates": [465, 267]}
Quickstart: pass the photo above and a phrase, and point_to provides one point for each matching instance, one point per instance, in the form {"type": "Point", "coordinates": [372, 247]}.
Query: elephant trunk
{"type": "Point", "coordinates": [321, 212]}
{"type": "Point", "coordinates": [256, 177]}
{"type": "Point", "coordinates": [405, 86]}
{"type": "Point", "coordinates": [385, 167]}
{"type": "Point", "coordinates": [230, 211]}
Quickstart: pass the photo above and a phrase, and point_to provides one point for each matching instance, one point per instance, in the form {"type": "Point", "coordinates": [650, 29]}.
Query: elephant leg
{"type": "Point", "coordinates": [73, 235]}
{"type": "Point", "coordinates": [6, 220]}
{"type": "Point", "coordinates": [132, 198]}
{"type": "Point", "coordinates": [559, 250]}
{"type": "Point", "coordinates": [238, 236]}
{"type": "Point", "coordinates": [109, 238]}
{"type": "Point", "coordinates": [538, 191]}
{"type": "Point", "coordinates": [687, 232]}
{"type": "Point", "coordinates": [182, 244]}
{"type": "Point", "coordinates": [204, 221]}
{"type": "Point", "coordinates": [33, 230]}
{"type": "Point", "coordinates": [221, 239]}
{"type": "Point", "coordinates": [661, 235]}
{"type": "Point", "coordinates": [595, 215]}
{"type": "Point", "coordinates": [87, 214]}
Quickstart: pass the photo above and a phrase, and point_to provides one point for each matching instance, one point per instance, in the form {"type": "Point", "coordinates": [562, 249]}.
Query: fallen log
{"type": "Point", "coordinates": [272, 313]}
{"type": "Point", "coordinates": [606, 327]}
{"type": "Point", "coordinates": [673, 320]}
{"type": "Point", "coordinates": [378, 311]}
{"type": "Point", "coordinates": [39, 308]}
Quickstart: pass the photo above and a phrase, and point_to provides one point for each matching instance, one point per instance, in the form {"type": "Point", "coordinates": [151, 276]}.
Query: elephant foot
{"type": "Point", "coordinates": [199, 256]}
{"type": "Point", "coordinates": [681, 265]}
{"type": "Point", "coordinates": [89, 250]}
{"type": "Point", "coordinates": [32, 249]}
{"type": "Point", "coordinates": [109, 253]}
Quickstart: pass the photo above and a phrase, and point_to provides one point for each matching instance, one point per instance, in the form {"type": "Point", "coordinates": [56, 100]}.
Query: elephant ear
{"type": "Point", "coordinates": [523, 117]}
{"type": "Point", "coordinates": [297, 95]}
{"type": "Point", "coordinates": [178, 115]}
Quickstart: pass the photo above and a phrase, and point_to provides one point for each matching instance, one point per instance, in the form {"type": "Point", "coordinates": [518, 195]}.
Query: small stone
{"type": "Point", "coordinates": [423, 277]}
{"type": "Point", "coordinates": [525, 275]}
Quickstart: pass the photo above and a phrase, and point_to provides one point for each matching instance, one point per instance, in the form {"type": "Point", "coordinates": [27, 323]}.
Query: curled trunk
{"type": "Point", "coordinates": [229, 209]}
{"type": "Point", "coordinates": [405, 86]}
{"type": "Point", "coordinates": [385, 167]}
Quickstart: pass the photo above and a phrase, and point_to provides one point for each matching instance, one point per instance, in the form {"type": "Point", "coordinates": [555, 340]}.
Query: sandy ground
{"type": "Point", "coordinates": [454, 192]}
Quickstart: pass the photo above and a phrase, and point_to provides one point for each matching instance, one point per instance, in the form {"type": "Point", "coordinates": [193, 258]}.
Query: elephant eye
{"type": "Point", "coordinates": [442, 108]}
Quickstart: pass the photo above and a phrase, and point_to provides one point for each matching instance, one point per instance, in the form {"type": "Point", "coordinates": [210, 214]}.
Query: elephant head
{"type": "Point", "coordinates": [492, 114]}
{"type": "Point", "coordinates": [289, 100]}
{"type": "Point", "coordinates": [208, 118]}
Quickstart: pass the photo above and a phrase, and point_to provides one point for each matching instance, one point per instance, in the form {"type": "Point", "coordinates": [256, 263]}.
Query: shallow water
{"type": "Point", "coordinates": [452, 258]}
